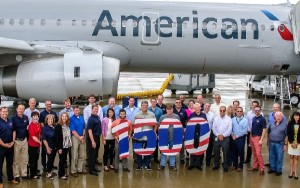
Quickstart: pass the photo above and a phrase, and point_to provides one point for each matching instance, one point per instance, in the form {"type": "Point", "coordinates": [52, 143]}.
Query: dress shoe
{"type": "Point", "coordinates": [271, 171]}
{"type": "Point", "coordinates": [26, 178]}
{"type": "Point", "coordinates": [278, 173]}
{"type": "Point", "coordinates": [74, 174]}
{"type": "Point", "coordinates": [182, 162]}
{"type": "Point", "coordinates": [252, 169]}
{"type": "Point", "coordinates": [93, 173]}
{"type": "Point", "coordinates": [126, 170]}
{"type": "Point", "coordinates": [17, 179]}
{"type": "Point", "coordinates": [13, 182]}
{"type": "Point", "coordinates": [267, 164]}
{"type": "Point", "coordinates": [247, 161]}
{"type": "Point", "coordinates": [225, 170]}
{"type": "Point", "coordinates": [291, 176]}
{"type": "Point", "coordinates": [199, 168]}
{"type": "Point", "coordinates": [190, 167]}
{"type": "Point", "coordinates": [296, 177]}
{"type": "Point", "coordinates": [98, 163]}
{"type": "Point", "coordinates": [82, 172]}
{"type": "Point", "coordinates": [215, 168]}
{"type": "Point", "coordinates": [239, 170]}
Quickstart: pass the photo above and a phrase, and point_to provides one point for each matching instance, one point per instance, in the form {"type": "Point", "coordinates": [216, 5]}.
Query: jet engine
{"type": "Point", "coordinates": [56, 78]}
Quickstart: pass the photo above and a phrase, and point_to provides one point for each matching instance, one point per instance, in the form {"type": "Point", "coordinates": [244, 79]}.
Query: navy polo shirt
{"type": "Point", "coordinates": [6, 130]}
{"type": "Point", "coordinates": [193, 115]}
{"type": "Point", "coordinates": [48, 135]}
{"type": "Point", "coordinates": [94, 124]}
{"type": "Point", "coordinates": [182, 116]}
{"type": "Point", "coordinates": [20, 125]}
{"type": "Point", "coordinates": [258, 124]}
{"type": "Point", "coordinates": [77, 124]}
{"type": "Point", "coordinates": [43, 115]}
{"type": "Point", "coordinates": [163, 108]}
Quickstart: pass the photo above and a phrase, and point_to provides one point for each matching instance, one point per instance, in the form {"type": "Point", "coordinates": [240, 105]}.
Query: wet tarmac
{"type": "Point", "coordinates": [230, 87]}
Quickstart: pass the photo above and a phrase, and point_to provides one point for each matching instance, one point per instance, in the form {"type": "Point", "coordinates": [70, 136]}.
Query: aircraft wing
{"type": "Point", "coordinates": [13, 44]}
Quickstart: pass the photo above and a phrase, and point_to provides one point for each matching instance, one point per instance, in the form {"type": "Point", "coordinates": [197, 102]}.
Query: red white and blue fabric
{"type": "Point", "coordinates": [139, 134]}
{"type": "Point", "coordinates": [122, 130]}
{"type": "Point", "coordinates": [203, 138]}
{"type": "Point", "coordinates": [177, 136]}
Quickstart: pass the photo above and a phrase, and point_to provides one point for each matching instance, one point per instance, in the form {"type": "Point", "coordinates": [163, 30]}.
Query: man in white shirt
{"type": "Point", "coordinates": [222, 129]}
{"type": "Point", "coordinates": [30, 109]}
{"type": "Point", "coordinates": [216, 106]}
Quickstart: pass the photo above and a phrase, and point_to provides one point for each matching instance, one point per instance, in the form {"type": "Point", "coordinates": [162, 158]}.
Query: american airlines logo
{"type": "Point", "coordinates": [164, 26]}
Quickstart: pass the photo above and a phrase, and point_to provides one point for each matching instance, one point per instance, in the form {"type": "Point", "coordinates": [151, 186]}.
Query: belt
{"type": "Point", "coordinates": [20, 139]}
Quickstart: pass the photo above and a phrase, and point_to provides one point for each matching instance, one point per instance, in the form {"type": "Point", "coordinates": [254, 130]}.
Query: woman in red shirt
{"type": "Point", "coordinates": [34, 144]}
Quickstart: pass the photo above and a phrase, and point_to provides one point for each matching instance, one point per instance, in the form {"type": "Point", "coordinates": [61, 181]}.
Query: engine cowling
{"type": "Point", "coordinates": [73, 74]}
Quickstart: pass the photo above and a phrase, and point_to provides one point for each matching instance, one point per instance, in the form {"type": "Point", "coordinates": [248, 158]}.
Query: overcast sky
{"type": "Point", "coordinates": [241, 1]}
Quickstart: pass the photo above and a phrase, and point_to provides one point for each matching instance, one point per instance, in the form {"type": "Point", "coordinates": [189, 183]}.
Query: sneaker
{"type": "Point", "coordinates": [148, 168]}
{"type": "Point", "coordinates": [138, 168]}
{"type": "Point", "coordinates": [50, 176]}
{"type": "Point", "coordinates": [173, 168]}
{"type": "Point", "coordinates": [161, 167]}
{"type": "Point", "coordinates": [64, 178]}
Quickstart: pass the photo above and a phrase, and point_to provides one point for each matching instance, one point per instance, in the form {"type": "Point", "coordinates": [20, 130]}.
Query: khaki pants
{"type": "Point", "coordinates": [20, 157]}
{"type": "Point", "coordinates": [78, 155]}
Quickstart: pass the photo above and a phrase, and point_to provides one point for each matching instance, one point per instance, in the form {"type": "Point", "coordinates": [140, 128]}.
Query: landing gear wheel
{"type": "Point", "coordinates": [173, 91]}
{"type": "Point", "coordinates": [210, 89]}
{"type": "Point", "coordinates": [295, 99]}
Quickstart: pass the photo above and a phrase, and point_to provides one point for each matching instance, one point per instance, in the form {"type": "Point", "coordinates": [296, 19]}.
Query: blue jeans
{"type": "Point", "coordinates": [276, 155]}
{"type": "Point", "coordinates": [163, 158]}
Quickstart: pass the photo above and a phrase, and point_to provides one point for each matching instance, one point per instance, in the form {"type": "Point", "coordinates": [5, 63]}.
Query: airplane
{"type": "Point", "coordinates": [53, 49]}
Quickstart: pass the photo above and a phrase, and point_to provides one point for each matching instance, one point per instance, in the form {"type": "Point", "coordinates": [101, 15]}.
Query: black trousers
{"type": "Point", "coordinates": [249, 149]}
{"type": "Point", "coordinates": [51, 159]}
{"type": "Point", "coordinates": [44, 157]}
{"type": "Point", "coordinates": [33, 153]}
{"type": "Point", "coordinates": [109, 149]}
{"type": "Point", "coordinates": [196, 160]}
{"type": "Point", "coordinates": [210, 148]}
{"type": "Point", "coordinates": [93, 152]}
{"type": "Point", "coordinates": [63, 161]}
{"type": "Point", "coordinates": [8, 154]}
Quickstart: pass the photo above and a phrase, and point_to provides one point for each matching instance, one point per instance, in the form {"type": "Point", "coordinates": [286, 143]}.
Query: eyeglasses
{"type": "Point", "coordinates": [257, 110]}
{"type": "Point", "coordinates": [177, 102]}
{"type": "Point", "coordinates": [222, 110]}
{"type": "Point", "coordinates": [239, 111]}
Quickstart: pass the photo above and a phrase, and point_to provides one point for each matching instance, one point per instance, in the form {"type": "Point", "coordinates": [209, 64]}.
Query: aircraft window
{"type": "Point", "coordinates": [195, 25]}
{"type": "Point", "coordinates": [124, 23]}
{"type": "Point", "coordinates": [174, 24]}
{"type": "Point", "coordinates": [1, 21]}
{"type": "Point", "coordinates": [263, 27]}
{"type": "Point", "coordinates": [58, 23]}
{"type": "Point", "coordinates": [234, 27]}
{"type": "Point", "coordinates": [114, 23]}
{"type": "Point", "coordinates": [214, 26]}
{"type": "Point", "coordinates": [21, 22]}
{"type": "Point", "coordinates": [134, 23]}
{"type": "Point", "coordinates": [104, 23]}
{"type": "Point", "coordinates": [281, 27]}
{"type": "Point", "coordinates": [272, 27]}
{"type": "Point", "coordinates": [224, 26]}
{"type": "Point", "coordinates": [83, 22]}
{"type": "Point", "coordinates": [253, 27]}
{"type": "Point", "coordinates": [73, 22]}
{"type": "Point", "coordinates": [11, 21]}
{"type": "Point", "coordinates": [31, 21]}
{"type": "Point", "coordinates": [94, 22]}
{"type": "Point", "coordinates": [43, 21]}
{"type": "Point", "coordinates": [243, 26]}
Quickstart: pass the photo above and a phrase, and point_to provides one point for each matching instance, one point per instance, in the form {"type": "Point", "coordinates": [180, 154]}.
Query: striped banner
{"type": "Point", "coordinates": [122, 130]}
{"type": "Point", "coordinates": [191, 136]}
{"type": "Point", "coordinates": [148, 135]}
{"type": "Point", "coordinates": [166, 146]}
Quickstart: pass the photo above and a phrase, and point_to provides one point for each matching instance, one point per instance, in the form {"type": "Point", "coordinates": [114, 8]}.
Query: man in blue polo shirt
{"type": "Point", "coordinates": [6, 146]}
{"type": "Point", "coordinates": [111, 104]}
{"type": "Point", "coordinates": [20, 124]}
{"type": "Point", "coordinates": [131, 110]}
{"type": "Point", "coordinates": [178, 110]}
{"type": "Point", "coordinates": [77, 127]}
{"type": "Point", "coordinates": [257, 134]}
{"type": "Point", "coordinates": [43, 114]}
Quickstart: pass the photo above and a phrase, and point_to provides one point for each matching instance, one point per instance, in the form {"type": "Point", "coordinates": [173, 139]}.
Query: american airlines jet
{"type": "Point", "coordinates": [52, 49]}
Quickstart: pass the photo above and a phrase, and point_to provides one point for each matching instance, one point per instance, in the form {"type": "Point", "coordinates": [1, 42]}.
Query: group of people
{"type": "Point", "coordinates": [30, 134]}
